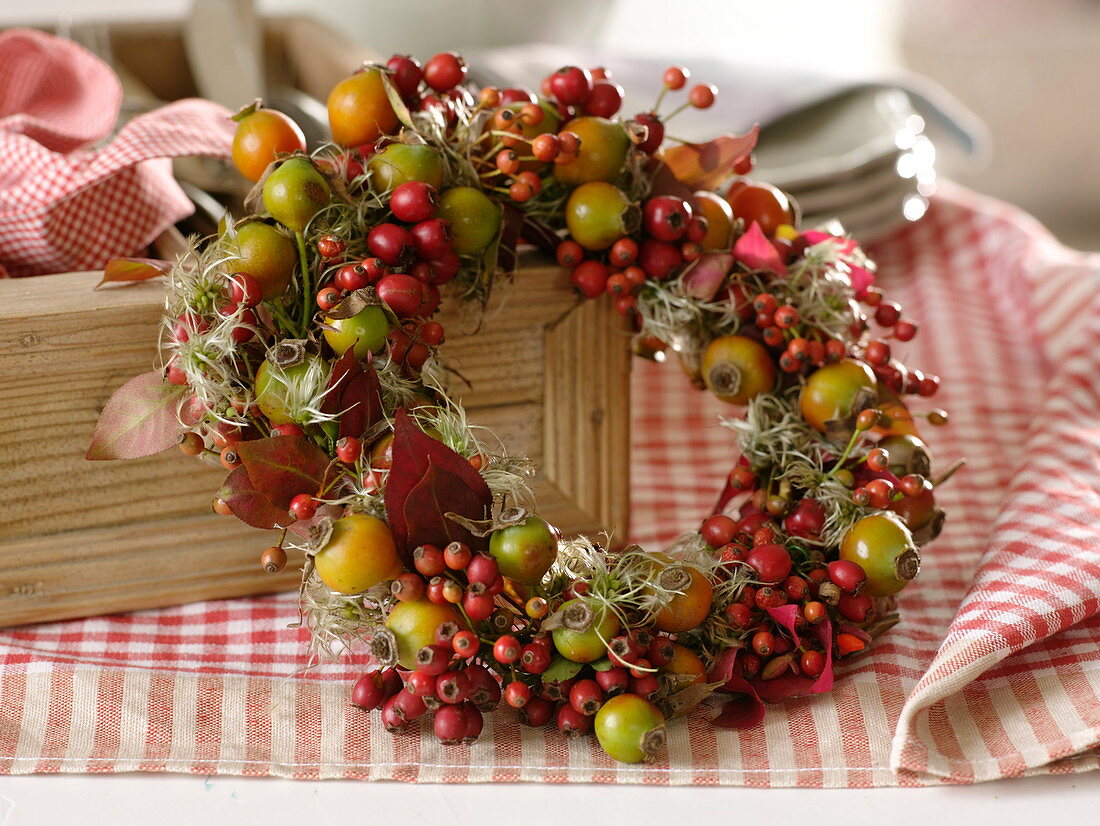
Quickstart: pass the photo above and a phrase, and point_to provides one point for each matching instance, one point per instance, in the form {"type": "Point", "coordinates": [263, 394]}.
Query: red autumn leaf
{"type": "Point", "coordinates": [664, 182]}
{"type": "Point", "coordinates": [343, 369]}
{"type": "Point", "coordinates": [743, 712]}
{"type": "Point", "coordinates": [792, 685]}
{"type": "Point", "coordinates": [281, 467]}
{"type": "Point", "coordinates": [825, 636]}
{"type": "Point", "coordinates": [132, 269]}
{"type": "Point", "coordinates": [755, 251]}
{"type": "Point", "coordinates": [138, 420]}
{"type": "Point", "coordinates": [249, 505]}
{"type": "Point", "coordinates": [706, 165]}
{"type": "Point", "coordinates": [303, 526]}
{"type": "Point", "coordinates": [360, 402]}
{"type": "Point", "coordinates": [438, 493]}
{"type": "Point", "coordinates": [414, 453]}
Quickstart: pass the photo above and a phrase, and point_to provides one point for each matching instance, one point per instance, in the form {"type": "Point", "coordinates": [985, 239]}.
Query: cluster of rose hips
{"type": "Point", "coordinates": [822, 591]}
{"type": "Point", "coordinates": [461, 675]}
{"type": "Point", "coordinates": [435, 85]}
{"type": "Point", "coordinates": [410, 258]}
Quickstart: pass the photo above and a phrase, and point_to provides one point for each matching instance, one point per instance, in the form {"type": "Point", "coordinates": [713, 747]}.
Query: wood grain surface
{"type": "Point", "coordinates": [550, 375]}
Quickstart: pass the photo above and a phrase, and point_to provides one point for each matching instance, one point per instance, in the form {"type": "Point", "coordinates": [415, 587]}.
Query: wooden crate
{"type": "Point", "coordinates": [78, 538]}
{"type": "Point", "coordinates": [551, 376]}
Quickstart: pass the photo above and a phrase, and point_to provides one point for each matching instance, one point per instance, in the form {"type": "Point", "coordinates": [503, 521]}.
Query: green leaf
{"type": "Point", "coordinates": [138, 420]}
{"type": "Point", "coordinates": [602, 665]}
{"type": "Point", "coordinates": [561, 669]}
{"type": "Point", "coordinates": [396, 103]}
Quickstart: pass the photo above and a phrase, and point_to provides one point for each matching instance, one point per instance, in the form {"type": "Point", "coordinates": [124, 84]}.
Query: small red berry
{"type": "Point", "coordinates": [535, 658]}
{"type": "Point", "coordinates": [877, 353]}
{"type": "Point", "coordinates": [570, 253]}
{"type": "Point", "coordinates": [465, 644]}
{"type": "Point", "coordinates": [718, 530]}
{"type": "Point", "coordinates": [413, 202]}
{"type": "Point", "coordinates": [586, 696]}
{"type": "Point", "coordinates": [624, 252]}
{"type": "Point", "coordinates": [368, 692]}
{"type": "Point", "coordinates": [245, 290]}
{"type": "Point", "coordinates": [349, 449]}
{"type": "Point", "coordinates": [449, 725]}
{"type": "Point", "coordinates": [702, 95]}
{"type": "Point", "coordinates": [330, 246]}
{"type": "Point", "coordinates": [905, 330]}
{"type": "Point", "coordinates": [517, 694]}
{"type": "Point", "coordinates": [408, 587]}
{"type": "Point", "coordinates": [445, 71]}
{"type": "Point", "coordinates": [571, 85]}
{"type": "Point", "coordinates": [506, 650]}
{"type": "Point", "coordinates": [763, 643]}
{"type": "Point", "coordinates": [613, 680]}
{"type": "Point", "coordinates": [848, 576]}
{"type": "Point", "coordinates": [303, 506]}
{"type": "Point", "coordinates": [812, 663]}
{"type": "Point", "coordinates": [406, 74]}
{"type": "Point", "coordinates": [428, 560]}
{"type": "Point", "coordinates": [452, 687]}
{"type": "Point", "coordinates": [676, 77]}
{"type": "Point", "coordinates": [887, 313]}
{"type": "Point", "coordinates": [590, 278]}
{"type": "Point", "coordinates": [457, 556]}
{"type": "Point", "coordinates": [880, 493]}
{"type": "Point", "coordinates": [771, 562]}
{"type": "Point", "coordinates": [605, 100]}
{"type": "Point", "coordinates": [913, 484]}
{"type": "Point", "coordinates": [814, 612]}
{"type": "Point", "coordinates": [434, 659]}
{"type": "Point", "coordinates": [786, 317]}
{"type": "Point", "coordinates": [431, 238]}
{"type": "Point", "coordinates": [645, 686]}
{"type": "Point", "coordinates": [854, 607]}
{"type": "Point", "coordinates": [478, 607]}
{"type": "Point", "coordinates": [571, 723]}
{"type": "Point", "coordinates": [538, 712]}
{"type": "Point", "coordinates": [878, 459]}
{"type": "Point", "coordinates": [434, 591]}
{"type": "Point", "coordinates": [420, 683]}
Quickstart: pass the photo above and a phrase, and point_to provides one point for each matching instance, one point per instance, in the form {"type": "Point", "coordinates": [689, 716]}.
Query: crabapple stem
{"type": "Point", "coordinates": [947, 474]}
{"type": "Point", "coordinates": [844, 456]}
{"type": "Point", "coordinates": [676, 111]}
{"type": "Point", "coordinates": [303, 258]}
{"type": "Point", "coordinates": [660, 98]}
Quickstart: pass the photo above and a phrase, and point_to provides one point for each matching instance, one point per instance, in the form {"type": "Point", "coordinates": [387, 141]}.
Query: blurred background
{"type": "Point", "coordinates": [1013, 109]}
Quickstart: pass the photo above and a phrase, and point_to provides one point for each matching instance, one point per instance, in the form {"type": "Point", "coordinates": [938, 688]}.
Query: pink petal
{"type": "Point", "coordinates": [708, 275]}
{"type": "Point", "coordinates": [755, 251]}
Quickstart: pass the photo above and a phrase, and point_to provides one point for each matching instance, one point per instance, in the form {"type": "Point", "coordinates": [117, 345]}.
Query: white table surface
{"type": "Point", "coordinates": [167, 800]}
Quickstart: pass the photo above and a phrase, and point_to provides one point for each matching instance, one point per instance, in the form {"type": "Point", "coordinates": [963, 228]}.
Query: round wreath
{"type": "Point", "coordinates": [299, 352]}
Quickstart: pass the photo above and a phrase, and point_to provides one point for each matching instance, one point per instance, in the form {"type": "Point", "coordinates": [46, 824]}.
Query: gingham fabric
{"type": "Point", "coordinates": [65, 208]}
{"type": "Point", "coordinates": [994, 670]}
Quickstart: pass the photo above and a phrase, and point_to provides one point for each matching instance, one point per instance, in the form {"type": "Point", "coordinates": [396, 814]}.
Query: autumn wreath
{"type": "Point", "coordinates": [299, 352]}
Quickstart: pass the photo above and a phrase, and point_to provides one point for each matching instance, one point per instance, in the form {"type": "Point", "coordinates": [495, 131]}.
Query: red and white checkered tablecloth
{"type": "Point", "coordinates": [993, 672]}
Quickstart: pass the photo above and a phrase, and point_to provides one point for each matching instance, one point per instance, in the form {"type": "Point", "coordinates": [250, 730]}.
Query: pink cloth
{"type": "Point", "coordinates": [64, 206]}
{"type": "Point", "coordinates": [994, 670]}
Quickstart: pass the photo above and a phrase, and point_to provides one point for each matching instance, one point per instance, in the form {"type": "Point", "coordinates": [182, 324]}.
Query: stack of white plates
{"type": "Point", "coordinates": [861, 158]}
